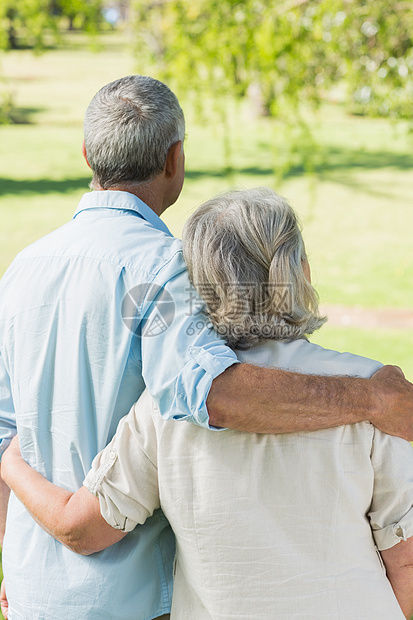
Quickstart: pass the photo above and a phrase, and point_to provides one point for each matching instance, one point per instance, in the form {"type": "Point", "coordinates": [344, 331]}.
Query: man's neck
{"type": "Point", "coordinates": [150, 193]}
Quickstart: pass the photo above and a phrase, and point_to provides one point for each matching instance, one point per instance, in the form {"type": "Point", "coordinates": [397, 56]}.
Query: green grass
{"type": "Point", "coordinates": [357, 207]}
{"type": "Point", "coordinates": [389, 346]}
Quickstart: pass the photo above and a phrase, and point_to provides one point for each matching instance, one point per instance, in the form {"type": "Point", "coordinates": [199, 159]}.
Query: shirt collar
{"type": "Point", "coordinates": [122, 201]}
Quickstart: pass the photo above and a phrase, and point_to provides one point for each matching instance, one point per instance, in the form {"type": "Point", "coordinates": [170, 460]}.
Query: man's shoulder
{"type": "Point", "coordinates": [94, 266]}
{"type": "Point", "coordinates": [127, 242]}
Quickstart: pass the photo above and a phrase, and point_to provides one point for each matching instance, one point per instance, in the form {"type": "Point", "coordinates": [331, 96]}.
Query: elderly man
{"type": "Point", "coordinates": [95, 311]}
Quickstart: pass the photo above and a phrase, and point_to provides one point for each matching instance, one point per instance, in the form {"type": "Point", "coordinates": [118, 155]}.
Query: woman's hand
{"type": "Point", "coordinates": [10, 457]}
{"type": "Point", "coordinates": [3, 601]}
{"type": "Point", "coordinates": [74, 519]}
{"type": "Point", "coordinates": [14, 447]}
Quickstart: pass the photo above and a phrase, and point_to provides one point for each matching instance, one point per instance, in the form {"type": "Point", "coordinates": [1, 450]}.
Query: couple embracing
{"type": "Point", "coordinates": [257, 475]}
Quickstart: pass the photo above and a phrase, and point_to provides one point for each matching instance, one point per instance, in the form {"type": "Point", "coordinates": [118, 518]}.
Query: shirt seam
{"type": "Point", "coordinates": [162, 576]}
{"type": "Point", "coordinates": [120, 265]}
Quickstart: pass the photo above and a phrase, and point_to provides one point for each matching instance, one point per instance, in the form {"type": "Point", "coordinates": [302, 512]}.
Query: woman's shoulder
{"type": "Point", "coordinates": [308, 358]}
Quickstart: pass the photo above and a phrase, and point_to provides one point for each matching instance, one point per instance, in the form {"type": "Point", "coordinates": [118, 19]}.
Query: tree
{"type": "Point", "coordinates": [27, 22]}
{"type": "Point", "coordinates": [287, 51]}
{"type": "Point", "coordinates": [81, 14]}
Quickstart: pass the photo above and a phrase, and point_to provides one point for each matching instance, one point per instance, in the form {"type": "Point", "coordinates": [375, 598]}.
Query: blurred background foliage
{"type": "Point", "coordinates": [279, 53]}
{"type": "Point", "coordinates": [284, 56]}
{"type": "Point", "coordinates": [37, 24]}
{"type": "Point", "coordinates": [312, 98]}
{"type": "Point", "coordinates": [285, 53]}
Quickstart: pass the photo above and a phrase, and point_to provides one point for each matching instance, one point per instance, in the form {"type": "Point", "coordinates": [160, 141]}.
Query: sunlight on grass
{"type": "Point", "coordinates": [357, 207]}
{"type": "Point", "coordinates": [389, 346]}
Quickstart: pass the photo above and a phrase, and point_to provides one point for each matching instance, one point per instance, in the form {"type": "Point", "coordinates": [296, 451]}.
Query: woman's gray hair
{"type": "Point", "coordinates": [245, 254]}
{"type": "Point", "coordinates": [129, 127]}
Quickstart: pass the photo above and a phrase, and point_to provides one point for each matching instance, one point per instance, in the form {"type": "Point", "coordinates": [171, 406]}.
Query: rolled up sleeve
{"type": "Point", "coordinates": [180, 364]}
{"type": "Point", "coordinates": [391, 511]}
{"type": "Point", "coordinates": [124, 476]}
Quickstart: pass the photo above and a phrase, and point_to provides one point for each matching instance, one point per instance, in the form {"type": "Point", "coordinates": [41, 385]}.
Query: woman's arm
{"type": "Point", "coordinates": [74, 519]}
{"type": "Point", "coordinates": [398, 561]}
{"type": "Point", "coordinates": [4, 501]}
{"type": "Point", "coordinates": [391, 513]}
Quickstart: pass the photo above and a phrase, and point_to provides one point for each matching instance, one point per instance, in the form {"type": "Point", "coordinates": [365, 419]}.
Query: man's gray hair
{"type": "Point", "coordinates": [245, 255]}
{"type": "Point", "coordinates": [129, 127]}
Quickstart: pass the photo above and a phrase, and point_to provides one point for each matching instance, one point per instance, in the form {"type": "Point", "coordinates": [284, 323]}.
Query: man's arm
{"type": "Point", "coordinates": [191, 373]}
{"type": "Point", "coordinates": [266, 400]}
{"type": "Point", "coordinates": [72, 518]}
{"type": "Point", "coordinates": [398, 561]}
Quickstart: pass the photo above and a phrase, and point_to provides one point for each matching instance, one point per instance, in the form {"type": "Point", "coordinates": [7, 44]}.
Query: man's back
{"type": "Point", "coordinates": [75, 369]}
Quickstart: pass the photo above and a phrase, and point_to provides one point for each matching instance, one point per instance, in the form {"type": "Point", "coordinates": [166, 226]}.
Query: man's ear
{"type": "Point", "coordinates": [172, 159]}
{"type": "Point", "coordinates": [85, 154]}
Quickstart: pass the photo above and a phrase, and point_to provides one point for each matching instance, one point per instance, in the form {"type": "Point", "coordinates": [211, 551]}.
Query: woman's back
{"type": "Point", "coordinates": [266, 526]}
{"type": "Point", "coordinates": [277, 526]}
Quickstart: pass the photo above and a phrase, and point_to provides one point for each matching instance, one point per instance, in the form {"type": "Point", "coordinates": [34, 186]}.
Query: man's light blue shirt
{"type": "Point", "coordinates": [89, 315]}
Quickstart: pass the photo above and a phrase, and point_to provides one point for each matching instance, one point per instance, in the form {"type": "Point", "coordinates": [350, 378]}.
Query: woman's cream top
{"type": "Point", "coordinates": [267, 526]}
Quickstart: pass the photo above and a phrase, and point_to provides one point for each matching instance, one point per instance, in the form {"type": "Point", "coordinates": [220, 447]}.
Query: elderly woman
{"type": "Point", "coordinates": [266, 527]}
